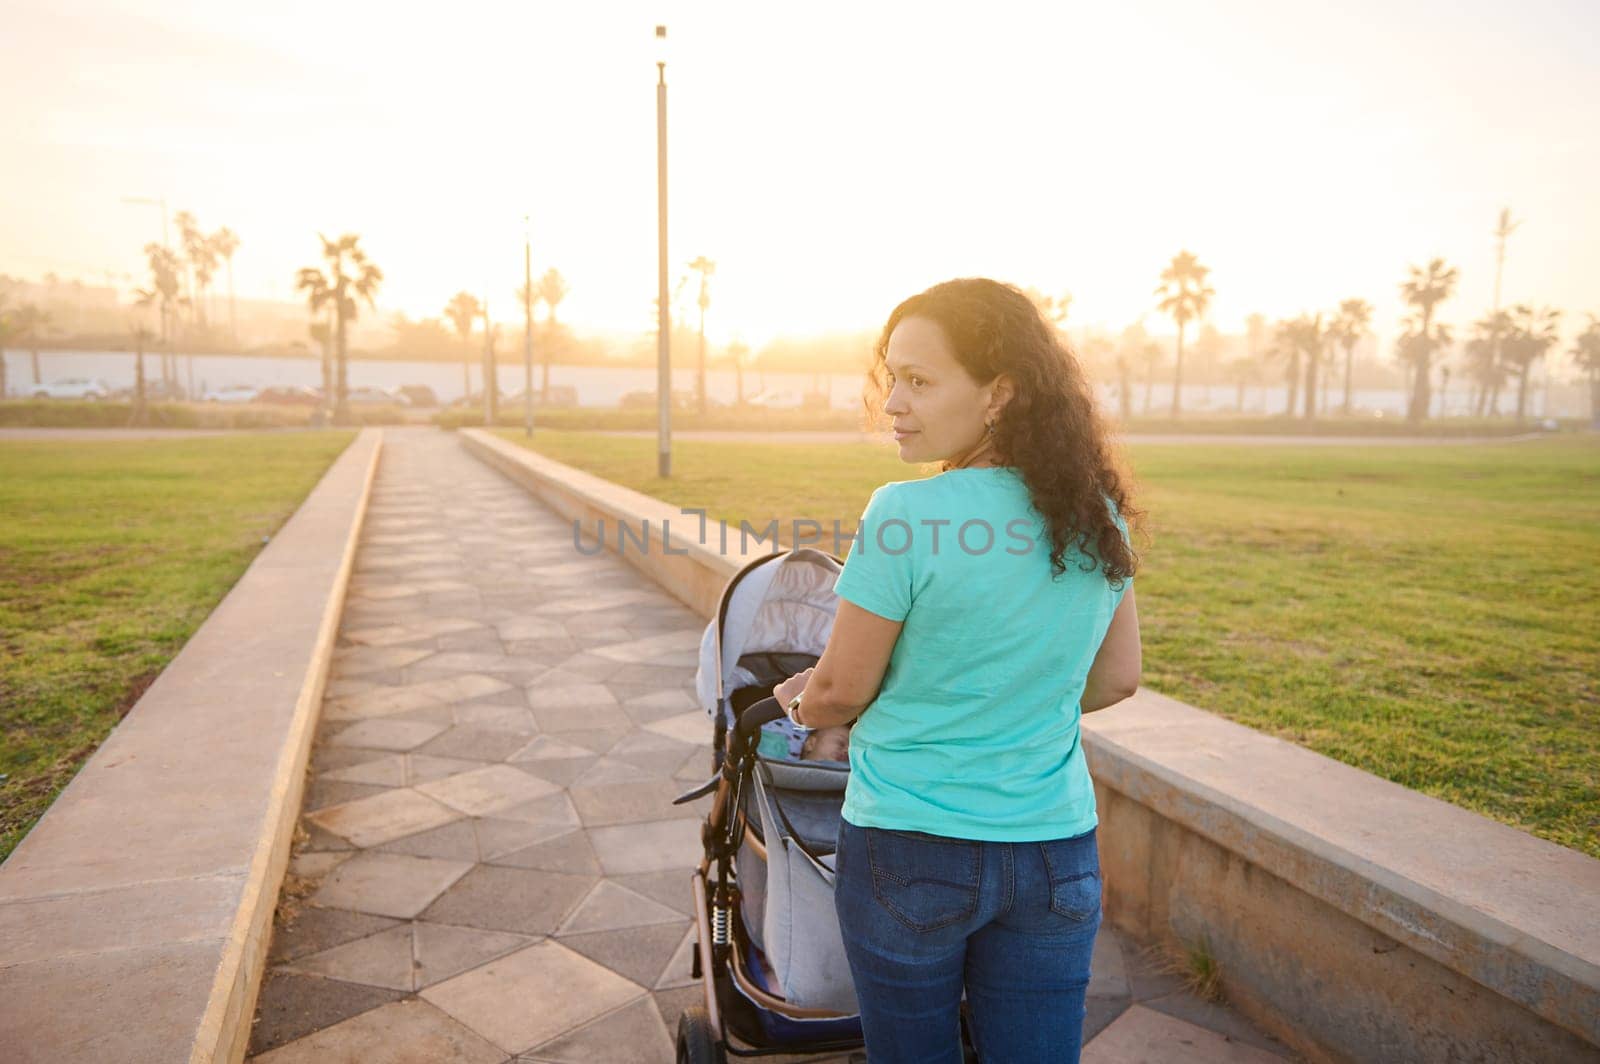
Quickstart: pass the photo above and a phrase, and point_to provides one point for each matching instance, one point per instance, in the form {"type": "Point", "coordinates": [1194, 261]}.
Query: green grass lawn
{"type": "Point", "coordinates": [111, 555]}
{"type": "Point", "coordinates": [1428, 614]}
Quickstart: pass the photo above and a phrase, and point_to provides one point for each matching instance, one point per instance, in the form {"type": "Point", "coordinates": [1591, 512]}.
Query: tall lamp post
{"type": "Point", "coordinates": [527, 329]}
{"type": "Point", "coordinates": [664, 324]}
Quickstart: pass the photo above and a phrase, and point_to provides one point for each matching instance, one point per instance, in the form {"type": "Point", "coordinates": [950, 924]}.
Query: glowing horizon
{"type": "Point", "coordinates": [830, 164]}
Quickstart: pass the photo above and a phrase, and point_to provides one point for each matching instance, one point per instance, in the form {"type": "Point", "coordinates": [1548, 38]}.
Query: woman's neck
{"type": "Point", "coordinates": [983, 456]}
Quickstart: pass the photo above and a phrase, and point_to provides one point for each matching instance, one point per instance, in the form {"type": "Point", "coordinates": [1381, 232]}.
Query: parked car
{"type": "Point", "coordinates": [563, 395]}
{"type": "Point", "coordinates": [155, 391]}
{"type": "Point", "coordinates": [233, 393]}
{"type": "Point", "coordinates": [376, 397]}
{"type": "Point", "coordinates": [681, 400]}
{"type": "Point", "coordinates": [776, 399]}
{"type": "Point", "coordinates": [90, 388]}
{"type": "Point", "coordinates": [418, 394]}
{"type": "Point", "coordinates": [292, 395]}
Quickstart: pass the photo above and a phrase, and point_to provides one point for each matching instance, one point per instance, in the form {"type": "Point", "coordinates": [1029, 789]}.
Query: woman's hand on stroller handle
{"type": "Point", "coordinates": [785, 691]}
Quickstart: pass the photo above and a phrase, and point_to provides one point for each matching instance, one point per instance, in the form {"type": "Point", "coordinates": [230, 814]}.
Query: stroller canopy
{"type": "Point", "coordinates": [781, 603]}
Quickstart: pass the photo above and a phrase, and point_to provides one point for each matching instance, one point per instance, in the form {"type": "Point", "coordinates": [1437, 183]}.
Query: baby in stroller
{"type": "Point", "coordinates": [827, 744]}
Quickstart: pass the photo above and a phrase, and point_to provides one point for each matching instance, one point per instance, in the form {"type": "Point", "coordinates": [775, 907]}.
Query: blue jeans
{"type": "Point", "coordinates": [1012, 923]}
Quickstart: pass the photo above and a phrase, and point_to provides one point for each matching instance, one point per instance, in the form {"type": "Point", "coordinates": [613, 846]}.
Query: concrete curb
{"type": "Point", "coordinates": [134, 918]}
{"type": "Point", "coordinates": [1355, 919]}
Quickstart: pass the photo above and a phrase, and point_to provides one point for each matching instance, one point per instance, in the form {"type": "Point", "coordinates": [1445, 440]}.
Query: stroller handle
{"type": "Point", "coordinates": [758, 713]}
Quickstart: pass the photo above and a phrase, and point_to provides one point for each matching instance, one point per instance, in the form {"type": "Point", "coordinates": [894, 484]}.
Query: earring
{"type": "Point", "coordinates": [990, 426]}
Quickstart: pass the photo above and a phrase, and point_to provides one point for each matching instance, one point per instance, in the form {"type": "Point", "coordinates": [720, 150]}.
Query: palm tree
{"type": "Point", "coordinates": [705, 268]}
{"type": "Point", "coordinates": [1484, 364]}
{"type": "Point", "coordinates": [29, 323]}
{"type": "Point", "coordinates": [1536, 332]}
{"type": "Point", "coordinates": [1585, 353]}
{"type": "Point", "coordinates": [1185, 295]}
{"type": "Point", "coordinates": [463, 310]}
{"type": "Point", "coordinates": [341, 290]}
{"type": "Point", "coordinates": [1348, 328]}
{"type": "Point", "coordinates": [319, 300]}
{"type": "Point", "coordinates": [165, 281]}
{"type": "Point", "coordinates": [145, 299]}
{"type": "Point", "coordinates": [1150, 354]}
{"type": "Point", "coordinates": [1242, 372]}
{"type": "Point", "coordinates": [1415, 349]}
{"type": "Point", "coordinates": [738, 351]}
{"type": "Point", "coordinates": [551, 288]}
{"type": "Point", "coordinates": [225, 242]}
{"type": "Point", "coordinates": [1306, 336]}
{"type": "Point", "coordinates": [1284, 346]}
{"type": "Point", "coordinates": [189, 237]}
{"type": "Point", "coordinates": [320, 331]}
{"type": "Point", "coordinates": [1425, 289]}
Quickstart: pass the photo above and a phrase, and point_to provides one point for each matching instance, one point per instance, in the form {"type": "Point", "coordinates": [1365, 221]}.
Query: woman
{"type": "Point", "coordinates": [981, 612]}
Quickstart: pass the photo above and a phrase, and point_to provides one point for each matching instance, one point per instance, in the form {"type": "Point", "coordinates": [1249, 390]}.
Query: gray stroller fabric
{"type": "Point", "coordinates": [812, 793]}
{"type": "Point", "coordinates": [785, 604]}
{"type": "Point", "coordinates": [800, 931]}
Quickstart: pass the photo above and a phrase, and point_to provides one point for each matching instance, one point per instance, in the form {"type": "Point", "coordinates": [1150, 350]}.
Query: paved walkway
{"type": "Point", "coordinates": [490, 870]}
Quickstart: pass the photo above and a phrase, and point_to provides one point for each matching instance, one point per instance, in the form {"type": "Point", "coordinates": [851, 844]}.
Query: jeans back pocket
{"type": "Point", "coordinates": [925, 881]}
{"type": "Point", "coordinates": [1073, 867]}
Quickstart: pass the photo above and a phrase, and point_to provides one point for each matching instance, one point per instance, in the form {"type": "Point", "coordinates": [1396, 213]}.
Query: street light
{"type": "Point", "coordinates": [527, 329]}
{"type": "Point", "coordinates": [663, 326]}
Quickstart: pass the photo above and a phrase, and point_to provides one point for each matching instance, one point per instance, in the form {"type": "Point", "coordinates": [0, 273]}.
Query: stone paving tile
{"type": "Point", "coordinates": [630, 803]}
{"type": "Point", "coordinates": [404, 1032]}
{"type": "Point", "coordinates": [640, 953]}
{"type": "Point", "coordinates": [473, 741]}
{"type": "Point", "coordinates": [388, 884]}
{"type": "Point", "coordinates": [571, 991]}
{"type": "Point", "coordinates": [497, 837]}
{"type": "Point", "coordinates": [326, 758]}
{"type": "Point", "coordinates": [325, 794]}
{"type": "Point", "coordinates": [382, 772]}
{"type": "Point", "coordinates": [378, 818]}
{"type": "Point", "coordinates": [1143, 1034]}
{"type": "Point", "coordinates": [680, 968]}
{"type": "Point", "coordinates": [486, 791]}
{"type": "Point", "coordinates": [293, 1005]}
{"type": "Point", "coordinates": [634, 1034]}
{"type": "Point", "coordinates": [692, 729]}
{"type": "Point", "coordinates": [443, 950]}
{"type": "Point", "coordinates": [455, 841]}
{"type": "Point", "coordinates": [562, 771]}
{"type": "Point", "coordinates": [647, 847]}
{"type": "Point", "coordinates": [612, 907]}
{"type": "Point", "coordinates": [314, 930]}
{"type": "Point", "coordinates": [1216, 1017]}
{"type": "Point", "coordinates": [420, 768]}
{"type": "Point", "coordinates": [510, 899]}
{"type": "Point", "coordinates": [383, 959]}
{"type": "Point", "coordinates": [387, 734]}
{"type": "Point", "coordinates": [569, 853]}
{"type": "Point", "coordinates": [670, 888]}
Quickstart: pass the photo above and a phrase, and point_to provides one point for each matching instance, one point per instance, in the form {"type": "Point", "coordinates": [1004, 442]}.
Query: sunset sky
{"type": "Point", "coordinates": [832, 158]}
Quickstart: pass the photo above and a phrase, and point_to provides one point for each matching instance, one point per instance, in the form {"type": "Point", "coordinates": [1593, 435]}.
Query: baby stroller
{"type": "Point", "coordinates": [770, 954]}
{"type": "Point", "coordinates": [766, 872]}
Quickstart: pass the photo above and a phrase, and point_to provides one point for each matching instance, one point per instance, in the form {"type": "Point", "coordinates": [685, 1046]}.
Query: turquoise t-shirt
{"type": "Point", "coordinates": [974, 732]}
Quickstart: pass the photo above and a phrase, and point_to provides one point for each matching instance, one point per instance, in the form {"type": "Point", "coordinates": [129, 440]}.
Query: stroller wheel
{"type": "Point", "coordinates": [696, 1045]}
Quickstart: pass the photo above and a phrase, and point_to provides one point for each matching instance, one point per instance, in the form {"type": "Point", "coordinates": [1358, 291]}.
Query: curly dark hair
{"type": "Point", "coordinates": [1051, 429]}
